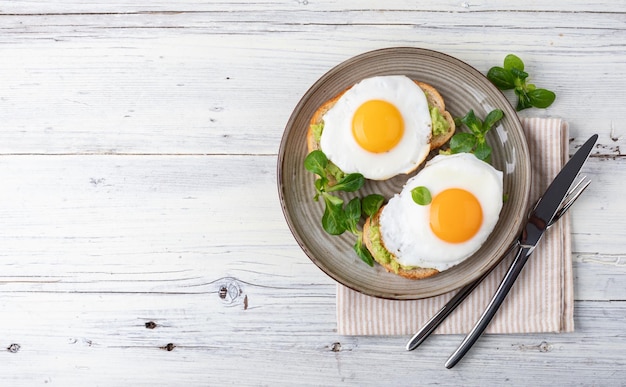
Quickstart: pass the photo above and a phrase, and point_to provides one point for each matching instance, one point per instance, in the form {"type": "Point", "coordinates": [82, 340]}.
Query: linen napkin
{"type": "Point", "coordinates": [542, 299]}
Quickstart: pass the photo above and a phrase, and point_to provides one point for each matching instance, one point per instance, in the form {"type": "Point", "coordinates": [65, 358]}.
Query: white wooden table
{"type": "Point", "coordinates": [142, 241]}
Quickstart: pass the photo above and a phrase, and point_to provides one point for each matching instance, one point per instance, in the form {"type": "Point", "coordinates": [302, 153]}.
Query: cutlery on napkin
{"type": "Point", "coordinates": [542, 299]}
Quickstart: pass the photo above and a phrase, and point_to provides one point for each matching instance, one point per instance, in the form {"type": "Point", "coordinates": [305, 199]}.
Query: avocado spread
{"type": "Point", "coordinates": [380, 253]}
{"type": "Point", "coordinates": [332, 170]}
{"type": "Point", "coordinates": [440, 125]}
{"type": "Point", "coordinates": [317, 131]}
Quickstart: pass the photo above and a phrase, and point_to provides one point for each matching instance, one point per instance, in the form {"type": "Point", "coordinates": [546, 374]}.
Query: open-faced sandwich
{"type": "Point", "coordinates": [381, 127]}
{"type": "Point", "coordinates": [442, 216]}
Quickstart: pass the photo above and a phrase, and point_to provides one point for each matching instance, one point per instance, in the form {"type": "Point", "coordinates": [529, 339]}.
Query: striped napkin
{"type": "Point", "coordinates": [542, 299]}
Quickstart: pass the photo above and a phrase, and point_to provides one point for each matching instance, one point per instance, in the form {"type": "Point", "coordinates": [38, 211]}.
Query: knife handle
{"type": "Point", "coordinates": [492, 308]}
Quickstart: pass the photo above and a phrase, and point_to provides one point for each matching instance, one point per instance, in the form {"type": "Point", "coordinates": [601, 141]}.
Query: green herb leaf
{"type": "Point", "coordinates": [362, 251]}
{"type": "Point", "coordinates": [513, 76]}
{"type": "Point", "coordinates": [352, 214]}
{"type": "Point", "coordinates": [320, 183]}
{"type": "Point", "coordinates": [334, 200]}
{"type": "Point", "coordinates": [334, 171]}
{"type": "Point", "coordinates": [372, 203]}
{"type": "Point", "coordinates": [349, 183]}
{"type": "Point", "coordinates": [421, 195]}
{"type": "Point", "coordinates": [512, 61]}
{"type": "Point", "coordinates": [541, 98]}
{"type": "Point", "coordinates": [472, 122]}
{"type": "Point", "coordinates": [523, 101]}
{"type": "Point", "coordinates": [316, 162]}
{"type": "Point", "coordinates": [475, 142]}
{"type": "Point", "coordinates": [491, 119]}
{"type": "Point", "coordinates": [462, 142]}
{"type": "Point", "coordinates": [503, 79]}
{"type": "Point", "coordinates": [334, 219]}
{"type": "Point", "coordinates": [483, 151]}
{"type": "Point", "coordinates": [519, 74]}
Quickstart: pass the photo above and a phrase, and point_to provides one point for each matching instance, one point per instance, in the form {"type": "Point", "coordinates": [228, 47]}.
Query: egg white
{"type": "Point", "coordinates": [339, 145]}
{"type": "Point", "coordinates": [405, 225]}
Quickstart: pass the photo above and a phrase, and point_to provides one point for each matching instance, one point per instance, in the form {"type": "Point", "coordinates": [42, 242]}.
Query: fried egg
{"type": "Point", "coordinates": [466, 202]}
{"type": "Point", "coordinates": [380, 127]}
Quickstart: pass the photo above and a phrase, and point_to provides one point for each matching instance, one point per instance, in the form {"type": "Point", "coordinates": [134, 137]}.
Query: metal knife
{"type": "Point", "coordinates": [539, 220]}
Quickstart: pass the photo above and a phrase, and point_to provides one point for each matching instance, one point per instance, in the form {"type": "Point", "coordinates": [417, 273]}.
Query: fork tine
{"type": "Point", "coordinates": [575, 191]}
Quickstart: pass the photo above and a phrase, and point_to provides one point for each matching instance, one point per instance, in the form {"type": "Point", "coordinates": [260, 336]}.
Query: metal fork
{"type": "Point", "coordinates": [574, 192]}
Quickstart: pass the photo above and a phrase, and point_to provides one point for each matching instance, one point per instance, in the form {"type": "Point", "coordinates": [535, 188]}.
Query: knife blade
{"type": "Point", "coordinates": [538, 222]}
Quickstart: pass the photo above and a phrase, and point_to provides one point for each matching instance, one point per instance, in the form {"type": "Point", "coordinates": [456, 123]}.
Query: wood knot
{"type": "Point", "coordinates": [168, 347]}
{"type": "Point", "coordinates": [151, 325]}
{"type": "Point", "coordinates": [541, 347]}
{"type": "Point", "coordinates": [545, 347]}
{"type": "Point", "coordinates": [230, 291]}
{"type": "Point", "coordinates": [335, 347]}
{"type": "Point", "coordinates": [13, 348]}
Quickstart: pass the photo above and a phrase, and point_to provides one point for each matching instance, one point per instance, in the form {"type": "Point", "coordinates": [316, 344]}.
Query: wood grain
{"type": "Point", "coordinates": [142, 238]}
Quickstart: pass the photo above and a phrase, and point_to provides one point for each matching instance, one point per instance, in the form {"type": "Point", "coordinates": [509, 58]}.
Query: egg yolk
{"type": "Point", "coordinates": [455, 215]}
{"type": "Point", "coordinates": [377, 126]}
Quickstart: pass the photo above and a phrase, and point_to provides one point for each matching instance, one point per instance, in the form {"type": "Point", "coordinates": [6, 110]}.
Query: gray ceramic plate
{"type": "Point", "coordinates": [463, 88]}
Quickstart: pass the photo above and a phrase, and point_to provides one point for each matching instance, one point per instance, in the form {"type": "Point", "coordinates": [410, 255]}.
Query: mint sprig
{"type": "Point", "coordinates": [338, 218]}
{"type": "Point", "coordinates": [513, 76]}
{"type": "Point", "coordinates": [475, 140]}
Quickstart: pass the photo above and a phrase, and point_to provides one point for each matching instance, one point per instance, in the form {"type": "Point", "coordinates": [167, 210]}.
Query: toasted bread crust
{"type": "Point", "coordinates": [432, 96]}
{"type": "Point", "coordinates": [312, 143]}
{"type": "Point", "coordinates": [415, 273]}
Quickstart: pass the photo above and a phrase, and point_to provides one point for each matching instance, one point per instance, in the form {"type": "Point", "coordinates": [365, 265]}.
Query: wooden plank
{"type": "Point", "coordinates": [288, 333]}
{"type": "Point", "coordinates": [201, 88]}
{"type": "Point", "coordinates": [177, 224]}
{"type": "Point", "coordinates": [120, 6]}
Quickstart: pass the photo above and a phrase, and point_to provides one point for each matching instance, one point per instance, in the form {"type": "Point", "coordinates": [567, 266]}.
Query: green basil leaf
{"type": "Point", "coordinates": [493, 117]}
{"type": "Point", "coordinates": [334, 219]}
{"type": "Point", "coordinates": [519, 74]}
{"type": "Point", "coordinates": [362, 251]}
{"type": "Point", "coordinates": [503, 79]}
{"type": "Point", "coordinates": [523, 101]}
{"type": "Point", "coordinates": [473, 123]}
{"type": "Point", "coordinates": [372, 203]}
{"type": "Point", "coordinates": [513, 62]}
{"type": "Point", "coordinates": [541, 98]}
{"type": "Point", "coordinates": [334, 200]}
{"type": "Point", "coordinates": [462, 142]}
{"type": "Point", "coordinates": [352, 214]}
{"type": "Point", "coordinates": [421, 195]}
{"type": "Point", "coordinates": [320, 184]}
{"type": "Point", "coordinates": [334, 171]}
{"type": "Point", "coordinates": [349, 183]}
{"type": "Point", "coordinates": [316, 162]}
{"type": "Point", "coordinates": [483, 152]}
